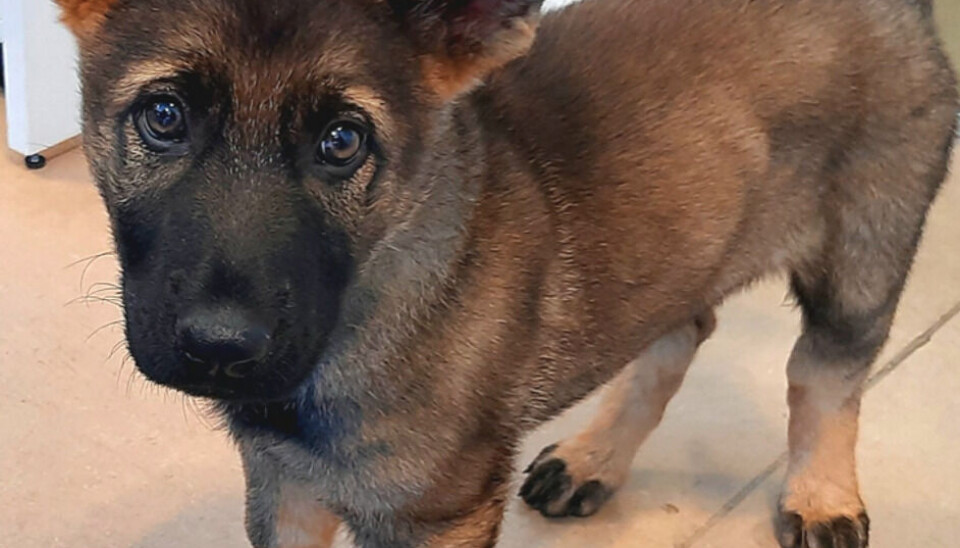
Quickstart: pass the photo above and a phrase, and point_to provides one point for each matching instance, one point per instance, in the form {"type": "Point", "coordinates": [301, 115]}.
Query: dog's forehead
{"type": "Point", "coordinates": [261, 49]}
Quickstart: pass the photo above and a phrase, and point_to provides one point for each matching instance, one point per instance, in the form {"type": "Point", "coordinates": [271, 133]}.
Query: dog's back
{"type": "Point", "coordinates": [688, 147]}
{"type": "Point", "coordinates": [728, 106]}
{"type": "Point", "coordinates": [727, 139]}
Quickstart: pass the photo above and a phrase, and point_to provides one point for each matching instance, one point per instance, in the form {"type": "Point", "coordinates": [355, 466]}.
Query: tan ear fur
{"type": "Point", "coordinates": [449, 76]}
{"type": "Point", "coordinates": [84, 17]}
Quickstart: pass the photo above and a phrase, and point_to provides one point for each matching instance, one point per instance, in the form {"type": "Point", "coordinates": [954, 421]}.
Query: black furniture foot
{"type": "Point", "coordinates": [35, 161]}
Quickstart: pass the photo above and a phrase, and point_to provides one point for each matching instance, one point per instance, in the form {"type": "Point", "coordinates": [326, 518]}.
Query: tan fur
{"type": "Point", "coordinates": [479, 528]}
{"type": "Point", "coordinates": [139, 76]}
{"type": "Point", "coordinates": [822, 480]}
{"type": "Point", "coordinates": [824, 403]}
{"type": "Point", "coordinates": [374, 105]}
{"type": "Point", "coordinates": [449, 77]}
{"type": "Point", "coordinates": [84, 16]}
{"type": "Point", "coordinates": [631, 409]}
{"type": "Point", "coordinates": [302, 522]}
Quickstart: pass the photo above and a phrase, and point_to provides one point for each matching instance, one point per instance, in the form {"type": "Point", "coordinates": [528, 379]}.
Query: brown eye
{"type": "Point", "coordinates": [343, 148]}
{"type": "Point", "coordinates": [161, 123]}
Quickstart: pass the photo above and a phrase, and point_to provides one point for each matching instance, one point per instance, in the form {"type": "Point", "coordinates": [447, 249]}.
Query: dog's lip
{"type": "Point", "coordinates": [227, 393]}
{"type": "Point", "coordinates": [226, 388]}
{"type": "Point", "coordinates": [175, 372]}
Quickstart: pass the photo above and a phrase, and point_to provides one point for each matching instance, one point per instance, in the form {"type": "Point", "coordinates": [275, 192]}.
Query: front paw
{"type": "Point", "coordinates": [793, 531]}
{"type": "Point", "coordinates": [556, 490]}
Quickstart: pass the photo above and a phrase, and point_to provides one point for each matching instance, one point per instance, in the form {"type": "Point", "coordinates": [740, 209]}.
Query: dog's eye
{"type": "Point", "coordinates": [161, 123]}
{"type": "Point", "coordinates": [343, 148]}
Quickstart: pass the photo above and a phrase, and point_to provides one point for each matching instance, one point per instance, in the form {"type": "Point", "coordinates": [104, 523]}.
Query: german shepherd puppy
{"type": "Point", "coordinates": [388, 237]}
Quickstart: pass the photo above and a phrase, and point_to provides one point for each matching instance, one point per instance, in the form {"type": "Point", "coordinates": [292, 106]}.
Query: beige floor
{"type": "Point", "coordinates": [90, 456]}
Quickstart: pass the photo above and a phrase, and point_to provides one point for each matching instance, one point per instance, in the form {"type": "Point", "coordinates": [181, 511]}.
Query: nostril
{"type": "Point", "coordinates": [222, 339]}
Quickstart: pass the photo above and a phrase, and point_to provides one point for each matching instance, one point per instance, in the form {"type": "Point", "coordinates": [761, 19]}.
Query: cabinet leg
{"type": "Point", "coordinates": [35, 161]}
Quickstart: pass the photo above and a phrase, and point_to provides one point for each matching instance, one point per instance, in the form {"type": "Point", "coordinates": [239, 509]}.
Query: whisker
{"type": "Point", "coordinates": [106, 286]}
{"type": "Point", "coordinates": [102, 327]}
{"type": "Point", "coordinates": [183, 409]}
{"type": "Point", "coordinates": [100, 292]}
{"type": "Point", "coordinates": [201, 411]}
{"type": "Point", "coordinates": [131, 378]}
{"type": "Point", "coordinates": [88, 299]}
{"type": "Point", "coordinates": [93, 257]}
{"type": "Point", "coordinates": [121, 344]}
{"type": "Point", "coordinates": [120, 369]}
{"type": "Point", "coordinates": [89, 263]}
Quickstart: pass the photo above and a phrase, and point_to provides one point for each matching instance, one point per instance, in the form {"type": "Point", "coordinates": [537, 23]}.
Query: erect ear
{"type": "Point", "coordinates": [83, 17]}
{"type": "Point", "coordinates": [461, 41]}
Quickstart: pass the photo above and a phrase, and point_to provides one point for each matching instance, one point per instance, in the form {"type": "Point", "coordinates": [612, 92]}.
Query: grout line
{"type": "Point", "coordinates": [915, 344]}
{"type": "Point", "coordinates": [734, 501]}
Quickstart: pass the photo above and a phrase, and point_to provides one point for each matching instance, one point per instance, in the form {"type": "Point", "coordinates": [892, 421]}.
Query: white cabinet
{"type": "Point", "coordinates": [41, 84]}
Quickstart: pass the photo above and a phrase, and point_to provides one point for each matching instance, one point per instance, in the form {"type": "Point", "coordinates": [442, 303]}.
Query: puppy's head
{"type": "Point", "coordinates": [251, 154]}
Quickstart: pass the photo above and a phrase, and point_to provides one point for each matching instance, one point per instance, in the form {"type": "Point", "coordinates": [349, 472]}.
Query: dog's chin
{"type": "Point", "coordinates": [235, 395]}
{"type": "Point", "coordinates": [267, 388]}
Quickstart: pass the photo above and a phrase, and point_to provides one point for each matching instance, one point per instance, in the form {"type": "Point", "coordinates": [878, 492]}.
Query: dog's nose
{"type": "Point", "coordinates": [223, 339]}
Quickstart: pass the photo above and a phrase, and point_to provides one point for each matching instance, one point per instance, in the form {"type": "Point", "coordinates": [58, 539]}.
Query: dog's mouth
{"type": "Point", "coordinates": [277, 382]}
{"type": "Point", "coordinates": [222, 352]}
{"type": "Point", "coordinates": [264, 388]}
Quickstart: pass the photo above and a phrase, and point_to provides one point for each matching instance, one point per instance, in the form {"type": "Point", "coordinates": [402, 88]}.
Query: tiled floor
{"type": "Point", "coordinates": [90, 456]}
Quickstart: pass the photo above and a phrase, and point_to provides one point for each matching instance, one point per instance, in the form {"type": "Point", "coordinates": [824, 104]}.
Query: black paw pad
{"type": "Point", "coordinates": [840, 532]}
{"type": "Point", "coordinates": [551, 491]}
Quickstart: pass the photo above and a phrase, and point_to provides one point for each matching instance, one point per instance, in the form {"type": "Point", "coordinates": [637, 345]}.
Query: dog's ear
{"type": "Point", "coordinates": [461, 41]}
{"type": "Point", "coordinates": [83, 17]}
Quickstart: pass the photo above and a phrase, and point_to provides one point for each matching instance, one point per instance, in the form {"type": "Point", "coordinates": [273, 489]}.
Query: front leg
{"type": "Point", "coordinates": [476, 527]}
{"type": "Point", "coordinates": [577, 476]}
{"type": "Point", "coordinates": [480, 528]}
{"type": "Point", "coordinates": [281, 513]}
{"type": "Point", "coordinates": [463, 508]}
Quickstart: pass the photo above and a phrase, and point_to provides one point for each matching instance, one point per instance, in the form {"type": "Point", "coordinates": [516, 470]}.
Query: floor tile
{"type": "Point", "coordinates": [908, 459]}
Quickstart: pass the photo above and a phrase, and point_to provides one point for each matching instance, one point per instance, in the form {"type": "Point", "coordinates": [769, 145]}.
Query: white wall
{"type": "Point", "coordinates": [42, 87]}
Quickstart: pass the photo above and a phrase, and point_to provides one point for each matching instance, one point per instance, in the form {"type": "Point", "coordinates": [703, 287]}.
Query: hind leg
{"type": "Point", "coordinates": [849, 297]}
{"type": "Point", "coordinates": [820, 505]}
{"type": "Point", "coordinates": [576, 476]}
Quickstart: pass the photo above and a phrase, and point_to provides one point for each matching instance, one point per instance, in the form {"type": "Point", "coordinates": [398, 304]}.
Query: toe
{"type": "Point", "coordinates": [547, 451]}
{"type": "Point", "coordinates": [790, 530]}
{"type": "Point", "coordinates": [839, 532]}
{"type": "Point", "coordinates": [545, 484]}
{"type": "Point", "coordinates": [588, 499]}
